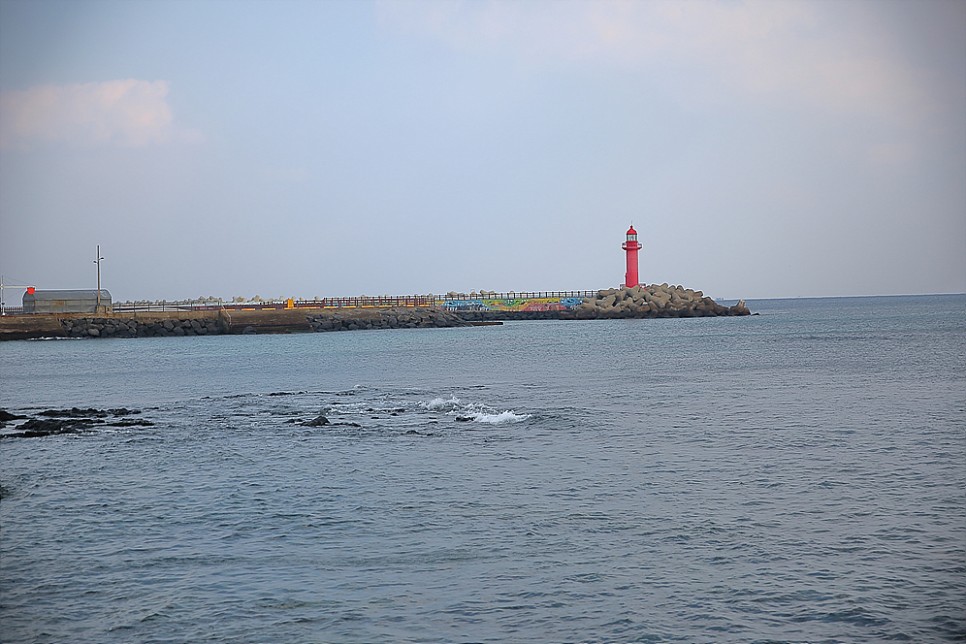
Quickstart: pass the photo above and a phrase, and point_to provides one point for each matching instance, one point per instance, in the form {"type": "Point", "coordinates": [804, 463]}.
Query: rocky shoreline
{"type": "Point", "coordinates": [653, 301]}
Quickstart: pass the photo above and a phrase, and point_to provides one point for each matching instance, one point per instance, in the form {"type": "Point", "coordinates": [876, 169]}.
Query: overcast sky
{"type": "Point", "coordinates": [761, 149]}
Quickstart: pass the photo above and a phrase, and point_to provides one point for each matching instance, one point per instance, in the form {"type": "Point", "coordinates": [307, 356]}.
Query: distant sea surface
{"type": "Point", "coordinates": [799, 475]}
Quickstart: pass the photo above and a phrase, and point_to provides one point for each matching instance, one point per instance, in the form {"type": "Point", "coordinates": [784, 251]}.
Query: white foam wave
{"type": "Point", "coordinates": [440, 404]}
{"type": "Point", "coordinates": [478, 413]}
{"type": "Point", "coordinates": [501, 418]}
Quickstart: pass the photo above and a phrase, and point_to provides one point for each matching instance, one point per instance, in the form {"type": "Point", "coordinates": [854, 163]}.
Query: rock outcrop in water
{"type": "Point", "coordinates": [51, 422]}
{"type": "Point", "coordinates": [654, 301]}
{"type": "Point", "coordinates": [6, 417]}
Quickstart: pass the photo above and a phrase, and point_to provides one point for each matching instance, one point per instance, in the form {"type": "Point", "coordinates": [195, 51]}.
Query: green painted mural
{"type": "Point", "coordinates": [513, 304]}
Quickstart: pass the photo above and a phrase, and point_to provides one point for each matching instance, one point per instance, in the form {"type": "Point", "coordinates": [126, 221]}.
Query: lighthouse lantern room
{"type": "Point", "coordinates": [631, 246]}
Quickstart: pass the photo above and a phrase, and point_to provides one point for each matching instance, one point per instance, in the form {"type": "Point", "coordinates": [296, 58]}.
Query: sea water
{"type": "Point", "coordinates": [799, 475]}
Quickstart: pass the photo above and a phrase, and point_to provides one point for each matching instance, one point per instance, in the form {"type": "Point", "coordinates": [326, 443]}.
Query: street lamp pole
{"type": "Point", "coordinates": [98, 262]}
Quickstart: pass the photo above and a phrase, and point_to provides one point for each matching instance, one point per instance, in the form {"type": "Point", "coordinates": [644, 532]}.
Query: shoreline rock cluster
{"type": "Point", "coordinates": [136, 328]}
{"type": "Point", "coordinates": [395, 318]}
{"type": "Point", "coordinates": [654, 301]}
{"type": "Point", "coordinates": [51, 422]}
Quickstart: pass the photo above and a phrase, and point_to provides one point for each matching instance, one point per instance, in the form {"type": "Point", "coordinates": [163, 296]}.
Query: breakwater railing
{"type": "Point", "coordinates": [364, 301]}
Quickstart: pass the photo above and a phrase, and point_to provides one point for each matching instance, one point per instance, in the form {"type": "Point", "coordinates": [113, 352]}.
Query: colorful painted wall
{"type": "Point", "coordinates": [518, 304]}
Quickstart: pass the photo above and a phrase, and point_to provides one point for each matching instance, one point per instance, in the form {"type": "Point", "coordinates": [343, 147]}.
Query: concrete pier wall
{"type": "Point", "coordinates": [655, 301]}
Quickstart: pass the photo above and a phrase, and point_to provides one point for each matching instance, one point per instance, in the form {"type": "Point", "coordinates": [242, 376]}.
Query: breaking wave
{"type": "Point", "coordinates": [506, 416]}
{"type": "Point", "coordinates": [443, 404]}
{"type": "Point", "coordinates": [478, 413]}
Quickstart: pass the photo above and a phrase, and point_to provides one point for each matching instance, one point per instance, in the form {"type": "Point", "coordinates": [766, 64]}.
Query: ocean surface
{"type": "Point", "coordinates": [799, 475]}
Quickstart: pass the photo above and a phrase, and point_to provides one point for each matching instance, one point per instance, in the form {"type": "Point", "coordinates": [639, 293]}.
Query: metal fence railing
{"type": "Point", "coordinates": [511, 295]}
{"type": "Point", "coordinates": [383, 301]}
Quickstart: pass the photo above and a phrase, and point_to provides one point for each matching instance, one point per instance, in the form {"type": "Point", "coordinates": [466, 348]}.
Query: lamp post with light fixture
{"type": "Point", "coordinates": [97, 261]}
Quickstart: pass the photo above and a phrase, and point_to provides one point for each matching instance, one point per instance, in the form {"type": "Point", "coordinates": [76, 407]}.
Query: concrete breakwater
{"type": "Point", "coordinates": [196, 323]}
{"type": "Point", "coordinates": [254, 322]}
{"type": "Point", "coordinates": [653, 301]}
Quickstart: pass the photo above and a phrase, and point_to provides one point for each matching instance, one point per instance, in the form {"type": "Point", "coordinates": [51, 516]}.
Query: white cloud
{"type": "Point", "coordinates": [128, 113]}
{"type": "Point", "coordinates": [827, 56]}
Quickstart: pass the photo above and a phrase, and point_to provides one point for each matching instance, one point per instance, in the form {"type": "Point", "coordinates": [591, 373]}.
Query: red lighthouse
{"type": "Point", "coordinates": [631, 245]}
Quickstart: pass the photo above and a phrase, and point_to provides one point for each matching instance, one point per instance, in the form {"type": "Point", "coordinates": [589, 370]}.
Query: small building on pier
{"type": "Point", "coordinates": [66, 301]}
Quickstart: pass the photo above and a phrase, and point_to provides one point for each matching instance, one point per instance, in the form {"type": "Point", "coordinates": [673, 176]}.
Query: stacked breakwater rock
{"type": "Point", "coordinates": [394, 318]}
{"type": "Point", "coordinates": [654, 301]}
{"type": "Point", "coordinates": [140, 328]}
{"type": "Point", "coordinates": [222, 322]}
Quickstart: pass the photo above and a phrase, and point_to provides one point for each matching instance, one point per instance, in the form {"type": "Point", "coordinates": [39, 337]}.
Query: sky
{"type": "Point", "coordinates": [314, 149]}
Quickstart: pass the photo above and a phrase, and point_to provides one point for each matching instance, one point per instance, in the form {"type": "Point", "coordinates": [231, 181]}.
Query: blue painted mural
{"type": "Point", "coordinates": [513, 304]}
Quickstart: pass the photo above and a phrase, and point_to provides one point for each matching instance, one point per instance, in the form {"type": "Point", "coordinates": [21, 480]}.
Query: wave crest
{"type": "Point", "coordinates": [500, 418]}
{"type": "Point", "coordinates": [443, 404]}
{"type": "Point", "coordinates": [478, 413]}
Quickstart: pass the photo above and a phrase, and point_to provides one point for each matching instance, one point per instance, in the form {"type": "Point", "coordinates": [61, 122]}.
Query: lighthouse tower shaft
{"type": "Point", "coordinates": [631, 246]}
